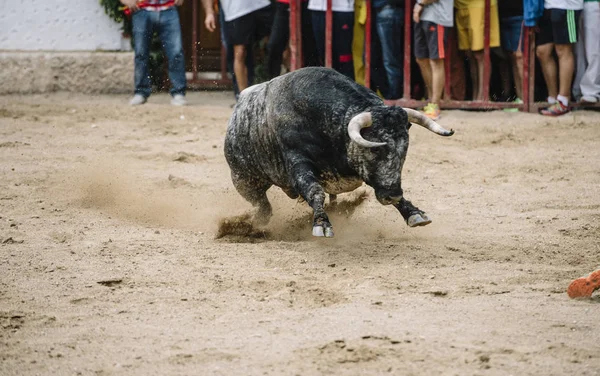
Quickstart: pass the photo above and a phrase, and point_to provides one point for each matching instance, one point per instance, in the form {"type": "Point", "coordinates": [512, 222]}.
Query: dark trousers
{"type": "Point", "coordinates": [280, 36]}
{"type": "Point", "coordinates": [343, 26]}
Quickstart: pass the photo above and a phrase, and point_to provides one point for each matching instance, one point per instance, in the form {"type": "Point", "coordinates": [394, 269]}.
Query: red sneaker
{"type": "Point", "coordinates": [584, 287]}
{"type": "Point", "coordinates": [556, 109]}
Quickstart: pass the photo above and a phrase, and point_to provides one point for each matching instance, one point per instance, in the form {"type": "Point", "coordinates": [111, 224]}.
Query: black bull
{"type": "Point", "coordinates": [302, 132]}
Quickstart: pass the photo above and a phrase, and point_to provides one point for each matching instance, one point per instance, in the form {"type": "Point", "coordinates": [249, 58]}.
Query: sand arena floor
{"type": "Point", "coordinates": [109, 263]}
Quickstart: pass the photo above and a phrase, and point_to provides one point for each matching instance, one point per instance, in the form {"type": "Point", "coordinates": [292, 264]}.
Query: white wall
{"type": "Point", "coordinates": [57, 25]}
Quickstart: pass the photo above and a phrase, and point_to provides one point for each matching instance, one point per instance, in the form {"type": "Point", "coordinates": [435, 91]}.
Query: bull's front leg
{"type": "Point", "coordinates": [411, 214]}
{"type": "Point", "coordinates": [307, 185]}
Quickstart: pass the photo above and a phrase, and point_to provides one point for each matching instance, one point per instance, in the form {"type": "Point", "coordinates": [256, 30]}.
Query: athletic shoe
{"type": "Point", "coordinates": [178, 100]}
{"type": "Point", "coordinates": [556, 109]}
{"type": "Point", "coordinates": [589, 99]}
{"type": "Point", "coordinates": [432, 111]}
{"type": "Point", "coordinates": [584, 287]}
{"type": "Point", "coordinates": [137, 100]}
{"type": "Point", "coordinates": [517, 101]}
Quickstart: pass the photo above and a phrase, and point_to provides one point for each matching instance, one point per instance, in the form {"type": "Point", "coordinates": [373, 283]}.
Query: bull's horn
{"type": "Point", "coordinates": [418, 118]}
{"type": "Point", "coordinates": [362, 120]}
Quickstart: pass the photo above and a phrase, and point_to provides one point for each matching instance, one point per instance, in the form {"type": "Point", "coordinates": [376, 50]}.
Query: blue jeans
{"type": "Point", "coordinates": [390, 29]}
{"type": "Point", "coordinates": [166, 22]}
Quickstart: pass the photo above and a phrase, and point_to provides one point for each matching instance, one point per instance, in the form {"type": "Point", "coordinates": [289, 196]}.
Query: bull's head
{"type": "Point", "coordinates": [381, 166]}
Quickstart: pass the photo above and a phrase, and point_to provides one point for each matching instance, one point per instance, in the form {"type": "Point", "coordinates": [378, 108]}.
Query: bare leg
{"type": "Point", "coordinates": [239, 66]}
{"type": "Point", "coordinates": [566, 65]}
{"type": "Point", "coordinates": [480, 78]}
{"type": "Point", "coordinates": [516, 59]}
{"type": "Point", "coordinates": [438, 77]}
{"type": "Point", "coordinates": [427, 75]}
{"type": "Point", "coordinates": [544, 53]}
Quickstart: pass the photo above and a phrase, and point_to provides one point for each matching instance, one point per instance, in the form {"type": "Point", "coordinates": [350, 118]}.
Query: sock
{"type": "Point", "coordinates": [562, 99]}
{"type": "Point", "coordinates": [551, 100]}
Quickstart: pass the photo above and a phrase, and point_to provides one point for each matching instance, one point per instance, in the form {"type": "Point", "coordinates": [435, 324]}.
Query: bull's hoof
{"type": "Point", "coordinates": [418, 219]}
{"type": "Point", "coordinates": [322, 231]}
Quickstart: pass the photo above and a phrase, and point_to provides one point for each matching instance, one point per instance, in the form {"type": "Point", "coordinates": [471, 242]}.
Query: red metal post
{"type": "Point", "coordinates": [368, 36]}
{"type": "Point", "coordinates": [295, 35]}
{"type": "Point", "coordinates": [407, 51]}
{"type": "Point", "coordinates": [525, 82]}
{"type": "Point", "coordinates": [195, 39]}
{"type": "Point", "coordinates": [328, 35]}
{"type": "Point", "coordinates": [487, 64]}
{"type": "Point", "coordinates": [447, 64]}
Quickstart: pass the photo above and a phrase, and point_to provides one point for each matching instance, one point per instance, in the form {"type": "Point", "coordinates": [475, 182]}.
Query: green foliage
{"type": "Point", "coordinates": [113, 8]}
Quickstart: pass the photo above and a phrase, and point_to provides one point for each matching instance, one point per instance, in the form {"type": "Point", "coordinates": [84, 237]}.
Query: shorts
{"type": "Point", "coordinates": [247, 28]}
{"type": "Point", "coordinates": [430, 40]}
{"type": "Point", "coordinates": [511, 33]}
{"type": "Point", "coordinates": [558, 26]}
{"type": "Point", "coordinates": [470, 28]}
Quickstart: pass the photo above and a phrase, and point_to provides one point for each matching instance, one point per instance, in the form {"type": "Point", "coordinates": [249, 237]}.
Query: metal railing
{"type": "Point", "coordinates": [407, 101]}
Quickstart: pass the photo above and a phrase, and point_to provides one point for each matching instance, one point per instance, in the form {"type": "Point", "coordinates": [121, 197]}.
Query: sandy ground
{"type": "Point", "coordinates": [109, 263]}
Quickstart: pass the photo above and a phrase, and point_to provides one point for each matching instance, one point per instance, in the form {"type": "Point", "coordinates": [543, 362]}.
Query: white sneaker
{"type": "Point", "coordinates": [137, 100]}
{"type": "Point", "coordinates": [178, 100]}
{"type": "Point", "coordinates": [589, 99]}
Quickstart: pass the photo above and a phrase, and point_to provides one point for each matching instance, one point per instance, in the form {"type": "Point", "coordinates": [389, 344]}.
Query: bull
{"type": "Point", "coordinates": [314, 132]}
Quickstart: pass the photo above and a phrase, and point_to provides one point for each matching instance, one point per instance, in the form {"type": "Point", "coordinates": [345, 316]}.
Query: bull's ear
{"type": "Point", "coordinates": [362, 120]}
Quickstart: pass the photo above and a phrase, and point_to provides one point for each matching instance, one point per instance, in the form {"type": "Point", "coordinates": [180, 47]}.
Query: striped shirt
{"type": "Point", "coordinates": [156, 5]}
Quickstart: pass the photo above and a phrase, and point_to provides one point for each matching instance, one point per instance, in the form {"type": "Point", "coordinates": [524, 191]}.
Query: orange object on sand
{"type": "Point", "coordinates": [584, 287]}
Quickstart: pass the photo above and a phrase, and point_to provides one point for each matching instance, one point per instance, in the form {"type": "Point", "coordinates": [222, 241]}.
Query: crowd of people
{"type": "Point", "coordinates": [567, 34]}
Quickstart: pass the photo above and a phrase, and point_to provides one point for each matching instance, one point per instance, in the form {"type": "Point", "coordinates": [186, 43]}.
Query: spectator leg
{"type": "Point", "coordinates": [239, 66]}
{"type": "Point", "coordinates": [516, 59]}
{"type": "Point", "coordinates": [437, 79]}
{"type": "Point", "coordinates": [426, 68]}
{"type": "Point", "coordinates": [566, 65]}
{"type": "Point", "coordinates": [278, 40]}
{"type": "Point", "coordinates": [143, 29]}
{"type": "Point", "coordinates": [390, 29]}
{"type": "Point", "coordinates": [548, 64]}
{"type": "Point", "coordinates": [474, 73]}
{"type": "Point", "coordinates": [479, 60]}
{"type": "Point", "coordinates": [170, 36]}
{"type": "Point", "coordinates": [590, 83]}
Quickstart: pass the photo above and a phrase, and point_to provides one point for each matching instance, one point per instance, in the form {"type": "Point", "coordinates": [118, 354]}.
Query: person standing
{"type": "Point", "coordinates": [432, 19]}
{"type": "Point", "coordinates": [511, 39]}
{"type": "Point", "coordinates": [587, 80]}
{"type": "Point", "coordinates": [244, 22]}
{"type": "Point", "coordinates": [389, 24]}
{"type": "Point", "coordinates": [280, 36]}
{"type": "Point", "coordinates": [342, 28]}
{"type": "Point", "coordinates": [161, 16]}
{"type": "Point", "coordinates": [470, 22]}
{"type": "Point", "coordinates": [558, 32]}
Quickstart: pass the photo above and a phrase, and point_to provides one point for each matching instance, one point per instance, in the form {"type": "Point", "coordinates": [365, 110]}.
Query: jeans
{"type": "Point", "coordinates": [166, 22]}
{"type": "Point", "coordinates": [390, 29]}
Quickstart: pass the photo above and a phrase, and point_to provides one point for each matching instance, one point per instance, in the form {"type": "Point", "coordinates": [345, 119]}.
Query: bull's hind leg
{"type": "Point", "coordinates": [411, 214]}
{"type": "Point", "coordinates": [255, 192]}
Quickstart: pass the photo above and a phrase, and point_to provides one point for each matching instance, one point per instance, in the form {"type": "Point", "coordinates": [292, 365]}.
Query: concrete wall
{"type": "Point", "coordinates": [84, 72]}
{"type": "Point", "coordinates": [57, 25]}
{"type": "Point", "coordinates": [72, 45]}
